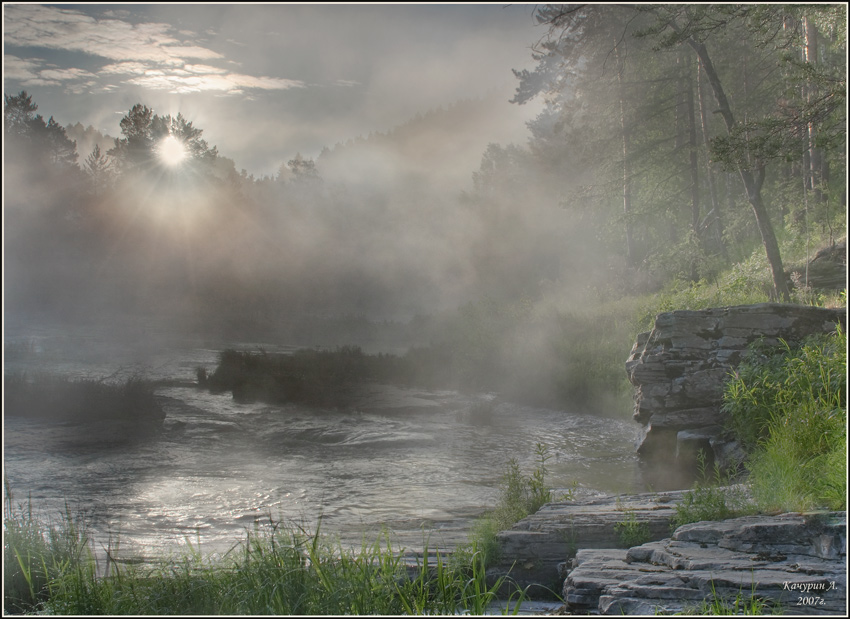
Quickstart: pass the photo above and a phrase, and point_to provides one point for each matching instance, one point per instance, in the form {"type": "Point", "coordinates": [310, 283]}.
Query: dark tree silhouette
{"type": "Point", "coordinates": [143, 131]}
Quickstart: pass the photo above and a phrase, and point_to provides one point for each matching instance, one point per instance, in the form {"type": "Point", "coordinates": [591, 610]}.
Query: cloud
{"type": "Point", "coordinates": [125, 68]}
{"type": "Point", "coordinates": [65, 74]}
{"type": "Point", "coordinates": [181, 82]}
{"type": "Point", "coordinates": [15, 68]}
{"type": "Point", "coordinates": [35, 72]}
{"type": "Point", "coordinates": [114, 39]}
{"type": "Point", "coordinates": [146, 52]}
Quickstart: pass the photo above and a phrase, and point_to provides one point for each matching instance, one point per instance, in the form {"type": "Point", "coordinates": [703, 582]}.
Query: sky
{"type": "Point", "coordinates": [267, 81]}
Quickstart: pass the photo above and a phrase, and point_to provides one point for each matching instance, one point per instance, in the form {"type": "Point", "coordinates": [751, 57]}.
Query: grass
{"type": "Point", "coordinates": [520, 495]}
{"type": "Point", "coordinates": [36, 552]}
{"type": "Point", "coordinates": [632, 532]}
{"type": "Point", "coordinates": [51, 569]}
{"type": "Point", "coordinates": [712, 498]}
{"type": "Point", "coordinates": [741, 604]}
{"type": "Point", "coordinates": [788, 408]}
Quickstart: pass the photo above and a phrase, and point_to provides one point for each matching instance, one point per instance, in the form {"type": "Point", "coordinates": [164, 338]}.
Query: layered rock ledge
{"type": "Point", "coordinates": [679, 369]}
{"type": "Point", "coordinates": [535, 549]}
{"type": "Point", "coordinates": [795, 561]}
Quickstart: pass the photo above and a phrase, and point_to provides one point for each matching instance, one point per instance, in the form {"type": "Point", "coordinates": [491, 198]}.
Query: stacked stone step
{"type": "Point", "coordinates": [796, 561]}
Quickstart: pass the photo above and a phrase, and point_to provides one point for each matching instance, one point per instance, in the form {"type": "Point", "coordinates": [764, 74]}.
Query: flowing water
{"type": "Point", "coordinates": [421, 463]}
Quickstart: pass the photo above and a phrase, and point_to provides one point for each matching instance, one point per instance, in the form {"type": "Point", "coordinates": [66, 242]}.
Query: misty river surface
{"type": "Point", "coordinates": [415, 461]}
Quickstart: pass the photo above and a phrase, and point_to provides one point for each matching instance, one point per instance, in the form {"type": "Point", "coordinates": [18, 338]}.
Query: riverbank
{"type": "Point", "coordinates": [622, 554]}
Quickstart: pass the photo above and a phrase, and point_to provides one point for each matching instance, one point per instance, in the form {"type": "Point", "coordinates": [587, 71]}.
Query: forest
{"type": "Point", "coordinates": [685, 155]}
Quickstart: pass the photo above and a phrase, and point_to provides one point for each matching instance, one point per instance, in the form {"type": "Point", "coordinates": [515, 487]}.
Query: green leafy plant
{"type": "Point", "coordinates": [520, 495]}
{"type": "Point", "coordinates": [711, 498]}
{"type": "Point", "coordinates": [631, 531]}
{"type": "Point", "coordinates": [788, 407]}
{"type": "Point", "coordinates": [741, 604]}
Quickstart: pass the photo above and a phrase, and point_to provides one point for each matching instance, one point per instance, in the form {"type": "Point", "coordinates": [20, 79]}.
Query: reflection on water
{"type": "Point", "coordinates": [410, 460]}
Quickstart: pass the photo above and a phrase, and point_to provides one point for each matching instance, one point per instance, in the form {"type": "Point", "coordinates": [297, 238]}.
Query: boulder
{"type": "Point", "coordinates": [826, 271]}
{"type": "Point", "coordinates": [679, 370]}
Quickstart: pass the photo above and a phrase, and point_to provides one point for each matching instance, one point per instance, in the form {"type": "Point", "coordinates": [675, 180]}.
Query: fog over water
{"type": "Point", "coordinates": [354, 175]}
{"type": "Point", "coordinates": [421, 463]}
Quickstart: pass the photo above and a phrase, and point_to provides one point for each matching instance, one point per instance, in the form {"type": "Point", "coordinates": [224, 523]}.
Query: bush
{"type": "Point", "coordinates": [788, 408]}
{"type": "Point", "coordinates": [56, 398]}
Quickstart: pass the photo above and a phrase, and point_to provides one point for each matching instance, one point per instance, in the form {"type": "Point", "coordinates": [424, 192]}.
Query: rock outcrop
{"type": "Point", "coordinates": [535, 548]}
{"type": "Point", "coordinates": [826, 271]}
{"type": "Point", "coordinates": [679, 369]}
{"type": "Point", "coordinates": [796, 561]}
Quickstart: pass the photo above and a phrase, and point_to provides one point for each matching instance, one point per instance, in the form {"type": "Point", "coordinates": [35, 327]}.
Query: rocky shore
{"type": "Point", "coordinates": [575, 550]}
{"type": "Point", "coordinates": [623, 555]}
{"type": "Point", "coordinates": [679, 369]}
{"type": "Point", "coordinates": [793, 562]}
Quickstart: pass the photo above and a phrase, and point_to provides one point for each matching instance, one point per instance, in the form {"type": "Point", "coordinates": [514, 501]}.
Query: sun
{"type": "Point", "coordinates": [171, 151]}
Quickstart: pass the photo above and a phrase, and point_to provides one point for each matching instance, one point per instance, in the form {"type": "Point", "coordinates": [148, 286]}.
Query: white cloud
{"type": "Point", "coordinates": [147, 52]}
{"type": "Point", "coordinates": [181, 82]}
{"type": "Point", "coordinates": [64, 74]}
{"type": "Point", "coordinates": [114, 39]}
{"type": "Point", "coordinates": [125, 68]}
{"type": "Point", "coordinates": [20, 68]}
{"type": "Point", "coordinates": [202, 68]}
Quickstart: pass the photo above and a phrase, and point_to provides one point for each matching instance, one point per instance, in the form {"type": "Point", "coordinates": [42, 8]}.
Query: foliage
{"type": "Point", "coordinates": [741, 605]}
{"type": "Point", "coordinates": [279, 569]}
{"type": "Point", "coordinates": [519, 496]}
{"type": "Point", "coordinates": [36, 552]}
{"type": "Point", "coordinates": [788, 408]}
{"type": "Point", "coordinates": [30, 137]}
{"type": "Point", "coordinates": [143, 131]}
{"type": "Point", "coordinates": [632, 532]}
{"type": "Point", "coordinates": [53, 397]}
{"type": "Point", "coordinates": [783, 386]}
{"type": "Point", "coordinates": [628, 86]}
{"type": "Point", "coordinates": [712, 498]}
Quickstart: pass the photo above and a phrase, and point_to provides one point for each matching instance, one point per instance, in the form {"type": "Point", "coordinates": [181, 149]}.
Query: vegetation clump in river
{"type": "Point", "coordinates": [56, 398]}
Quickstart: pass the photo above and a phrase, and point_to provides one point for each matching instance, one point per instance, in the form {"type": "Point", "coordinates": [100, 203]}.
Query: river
{"type": "Point", "coordinates": [422, 464]}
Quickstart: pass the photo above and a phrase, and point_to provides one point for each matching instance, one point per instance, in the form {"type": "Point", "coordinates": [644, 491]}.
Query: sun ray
{"type": "Point", "coordinates": [171, 151]}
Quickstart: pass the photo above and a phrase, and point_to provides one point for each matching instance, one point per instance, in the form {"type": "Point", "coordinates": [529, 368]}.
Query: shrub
{"type": "Point", "coordinates": [788, 408]}
{"type": "Point", "coordinates": [56, 398]}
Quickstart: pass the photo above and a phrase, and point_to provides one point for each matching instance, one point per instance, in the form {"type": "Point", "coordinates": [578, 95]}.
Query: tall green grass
{"type": "Point", "coordinates": [278, 570]}
{"type": "Point", "coordinates": [36, 552]}
{"type": "Point", "coordinates": [519, 496]}
{"type": "Point", "coordinates": [788, 408]}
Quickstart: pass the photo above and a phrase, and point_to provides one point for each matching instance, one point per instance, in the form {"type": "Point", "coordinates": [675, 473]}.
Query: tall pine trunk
{"type": "Point", "coordinates": [627, 193]}
{"type": "Point", "coordinates": [752, 180]}
{"type": "Point", "coordinates": [716, 221]}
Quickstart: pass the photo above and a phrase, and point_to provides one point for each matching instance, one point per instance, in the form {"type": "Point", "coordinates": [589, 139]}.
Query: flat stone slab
{"type": "Point", "coordinates": [795, 561]}
{"type": "Point", "coordinates": [534, 547]}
